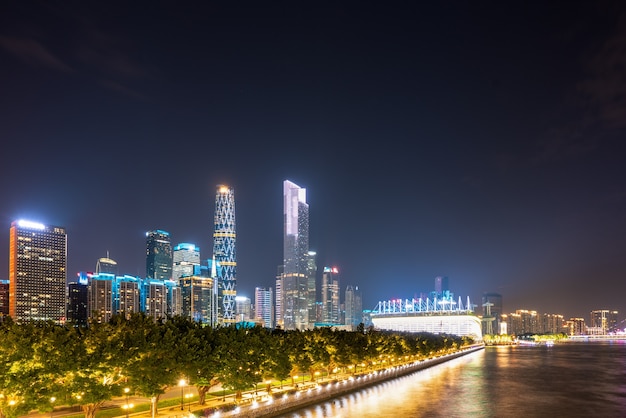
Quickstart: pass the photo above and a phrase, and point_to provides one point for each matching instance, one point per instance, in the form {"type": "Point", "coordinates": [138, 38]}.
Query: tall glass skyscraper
{"type": "Point", "coordinates": [330, 295]}
{"type": "Point", "coordinates": [294, 286]}
{"type": "Point", "coordinates": [158, 255]}
{"type": "Point", "coordinates": [37, 271]}
{"type": "Point", "coordinates": [354, 307]}
{"type": "Point", "coordinates": [224, 254]}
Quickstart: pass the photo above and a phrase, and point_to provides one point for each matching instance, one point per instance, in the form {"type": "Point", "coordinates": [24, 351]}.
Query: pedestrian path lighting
{"type": "Point", "coordinates": [126, 391]}
{"type": "Point", "coordinates": [182, 384]}
{"type": "Point", "coordinates": [52, 399]}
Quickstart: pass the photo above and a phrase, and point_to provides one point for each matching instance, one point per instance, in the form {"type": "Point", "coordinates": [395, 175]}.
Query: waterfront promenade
{"type": "Point", "coordinates": [268, 400]}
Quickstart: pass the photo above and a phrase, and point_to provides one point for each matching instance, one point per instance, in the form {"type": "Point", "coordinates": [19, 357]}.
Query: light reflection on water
{"type": "Point", "coordinates": [566, 380]}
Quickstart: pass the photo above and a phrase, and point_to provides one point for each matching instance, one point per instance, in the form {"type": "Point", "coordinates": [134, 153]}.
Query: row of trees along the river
{"type": "Point", "coordinates": [88, 366]}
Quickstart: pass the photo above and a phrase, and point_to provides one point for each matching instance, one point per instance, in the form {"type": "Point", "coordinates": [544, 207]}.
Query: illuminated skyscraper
{"type": "Point", "coordinates": [37, 271]}
{"type": "Point", "coordinates": [294, 286]}
{"type": "Point", "coordinates": [224, 254]}
{"type": "Point", "coordinates": [263, 306]}
{"type": "Point", "coordinates": [243, 308]}
{"type": "Point", "coordinates": [106, 265]}
{"type": "Point", "coordinates": [158, 255]}
{"type": "Point", "coordinates": [354, 307]}
{"type": "Point", "coordinates": [330, 295]}
{"type": "Point", "coordinates": [186, 259]}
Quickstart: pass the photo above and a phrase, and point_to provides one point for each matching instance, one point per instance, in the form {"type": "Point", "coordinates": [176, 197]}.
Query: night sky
{"type": "Point", "coordinates": [482, 141]}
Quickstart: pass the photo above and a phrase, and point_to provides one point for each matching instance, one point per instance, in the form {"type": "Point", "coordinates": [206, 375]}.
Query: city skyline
{"type": "Point", "coordinates": [482, 143]}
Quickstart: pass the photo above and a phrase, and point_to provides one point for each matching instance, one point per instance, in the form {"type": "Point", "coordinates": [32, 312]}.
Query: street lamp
{"type": "Point", "coordinates": [52, 399]}
{"type": "Point", "coordinates": [126, 390]}
{"type": "Point", "coordinates": [182, 384]}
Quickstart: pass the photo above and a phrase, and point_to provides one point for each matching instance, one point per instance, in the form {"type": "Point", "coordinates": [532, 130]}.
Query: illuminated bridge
{"type": "Point", "coordinates": [437, 316]}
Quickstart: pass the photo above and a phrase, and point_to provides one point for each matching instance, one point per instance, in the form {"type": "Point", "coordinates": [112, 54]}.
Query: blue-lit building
{"type": "Point", "coordinates": [158, 255]}
{"type": "Point", "coordinates": [110, 295]}
{"type": "Point", "coordinates": [224, 253]}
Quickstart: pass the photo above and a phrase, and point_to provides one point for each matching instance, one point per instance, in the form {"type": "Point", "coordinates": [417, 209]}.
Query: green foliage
{"type": "Point", "coordinates": [91, 365]}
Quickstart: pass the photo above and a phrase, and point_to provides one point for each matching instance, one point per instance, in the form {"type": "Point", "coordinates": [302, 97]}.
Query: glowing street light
{"type": "Point", "coordinates": [52, 399]}
{"type": "Point", "coordinates": [126, 390]}
{"type": "Point", "coordinates": [182, 384]}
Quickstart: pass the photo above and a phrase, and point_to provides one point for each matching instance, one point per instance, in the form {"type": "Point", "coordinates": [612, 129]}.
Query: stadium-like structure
{"type": "Point", "coordinates": [437, 316]}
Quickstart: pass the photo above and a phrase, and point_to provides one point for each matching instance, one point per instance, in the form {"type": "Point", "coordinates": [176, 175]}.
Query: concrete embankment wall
{"type": "Point", "coordinates": [333, 389]}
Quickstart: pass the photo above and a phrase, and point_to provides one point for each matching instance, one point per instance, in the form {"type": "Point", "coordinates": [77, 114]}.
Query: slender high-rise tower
{"type": "Point", "coordinates": [295, 274]}
{"type": "Point", "coordinates": [330, 295]}
{"type": "Point", "coordinates": [158, 255]}
{"type": "Point", "coordinates": [224, 239]}
{"type": "Point", "coordinates": [354, 307]}
{"type": "Point", "coordinates": [37, 272]}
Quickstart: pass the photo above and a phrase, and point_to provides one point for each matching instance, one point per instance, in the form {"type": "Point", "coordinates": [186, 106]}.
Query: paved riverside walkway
{"type": "Point", "coordinates": [280, 401]}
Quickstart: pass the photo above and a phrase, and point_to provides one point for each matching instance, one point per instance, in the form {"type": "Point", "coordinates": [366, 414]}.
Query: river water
{"type": "Point", "coordinates": [563, 380]}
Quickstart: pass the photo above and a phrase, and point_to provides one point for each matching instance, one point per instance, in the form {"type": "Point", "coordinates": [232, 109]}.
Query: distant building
{"type": "Point", "coordinates": [263, 306]}
{"type": "Point", "coordinates": [78, 300]}
{"type": "Point", "coordinates": [100, 297]}
{"type": "Point", "coordinates": [552, 324]}
{"type": "Point", "coordinates": [154, 298]}
{"type": "Point", "coordinates": [312, 286]}
{"type": "Point", "coordinates": [106, 265]}
{"type": "Point", "coordinates": [199, 299]}
{"type": "Point", "coordinates": [4, 298]}
{"type": "Point", "coordinates": [37, 272]}
{"type": "Point", "coordinates": [330, 295]}
{"type": "Point", "coordinates": [158, 255]}
{"type": "Point", "coordinates": [353, 306]}
{"type": "Point", "coordinates": [442, 285]}
{"type": "Point", "coordinates": [185, 259]}
{"type": "Point", "coordinates": [576, 326]}
{"type": "Point", "coordinates": [243, 309]}
{"type": "Point", "coordinates": [294, 286]}
{"type": "Point", "coordinates": [278, 304]}
{"type": "Point", "coordinates": [603, 321]}
{"type": "Point", "coordinates": [224, 253]}
{"type": "Point", "coordinates": [523, 322]}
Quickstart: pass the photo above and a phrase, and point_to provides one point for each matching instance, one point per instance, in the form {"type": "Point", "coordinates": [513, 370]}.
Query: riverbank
{"type": "Point", "coordinates": [280, 402]}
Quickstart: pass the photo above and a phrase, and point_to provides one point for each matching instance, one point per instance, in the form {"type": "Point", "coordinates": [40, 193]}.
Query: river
{"type": "Point", "coordinates": [563, 380]}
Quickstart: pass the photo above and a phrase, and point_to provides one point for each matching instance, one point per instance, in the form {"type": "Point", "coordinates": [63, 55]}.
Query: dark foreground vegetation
{"type": "Point", "coordinates": [43, 364]}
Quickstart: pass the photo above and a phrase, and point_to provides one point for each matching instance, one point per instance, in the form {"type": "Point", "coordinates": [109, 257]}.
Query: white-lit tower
{"type": "Point", "coordinates": [224, 254]}
{"type": "Point", "coordinates": [294, 283]}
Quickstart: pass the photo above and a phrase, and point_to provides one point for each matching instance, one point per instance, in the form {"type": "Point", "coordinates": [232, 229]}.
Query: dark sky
{"type": "Point", "coordinates": [483, 141]}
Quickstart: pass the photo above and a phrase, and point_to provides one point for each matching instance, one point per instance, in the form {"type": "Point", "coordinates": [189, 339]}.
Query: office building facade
{"type": "Point", "coordinates": [294, 280]}
{"type": "Point", "coordinates": [186, 258]}
{"type": "Point", "coordinates": [330, 295]}
{"type": "Point", "coordinates": [353, 307]}
{"type": "Point", "coordinates": [158, 255]}
{"type": "Point", "coordinates": [263, 306]}
{"type": "Point", "coordinates": [37, 272]}
{"type": "Point", "coordinates": [224, 253]}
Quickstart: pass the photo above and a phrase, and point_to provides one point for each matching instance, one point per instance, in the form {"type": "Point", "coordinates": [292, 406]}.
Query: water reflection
{"type": "Point", "coordinates": [572, 380]}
